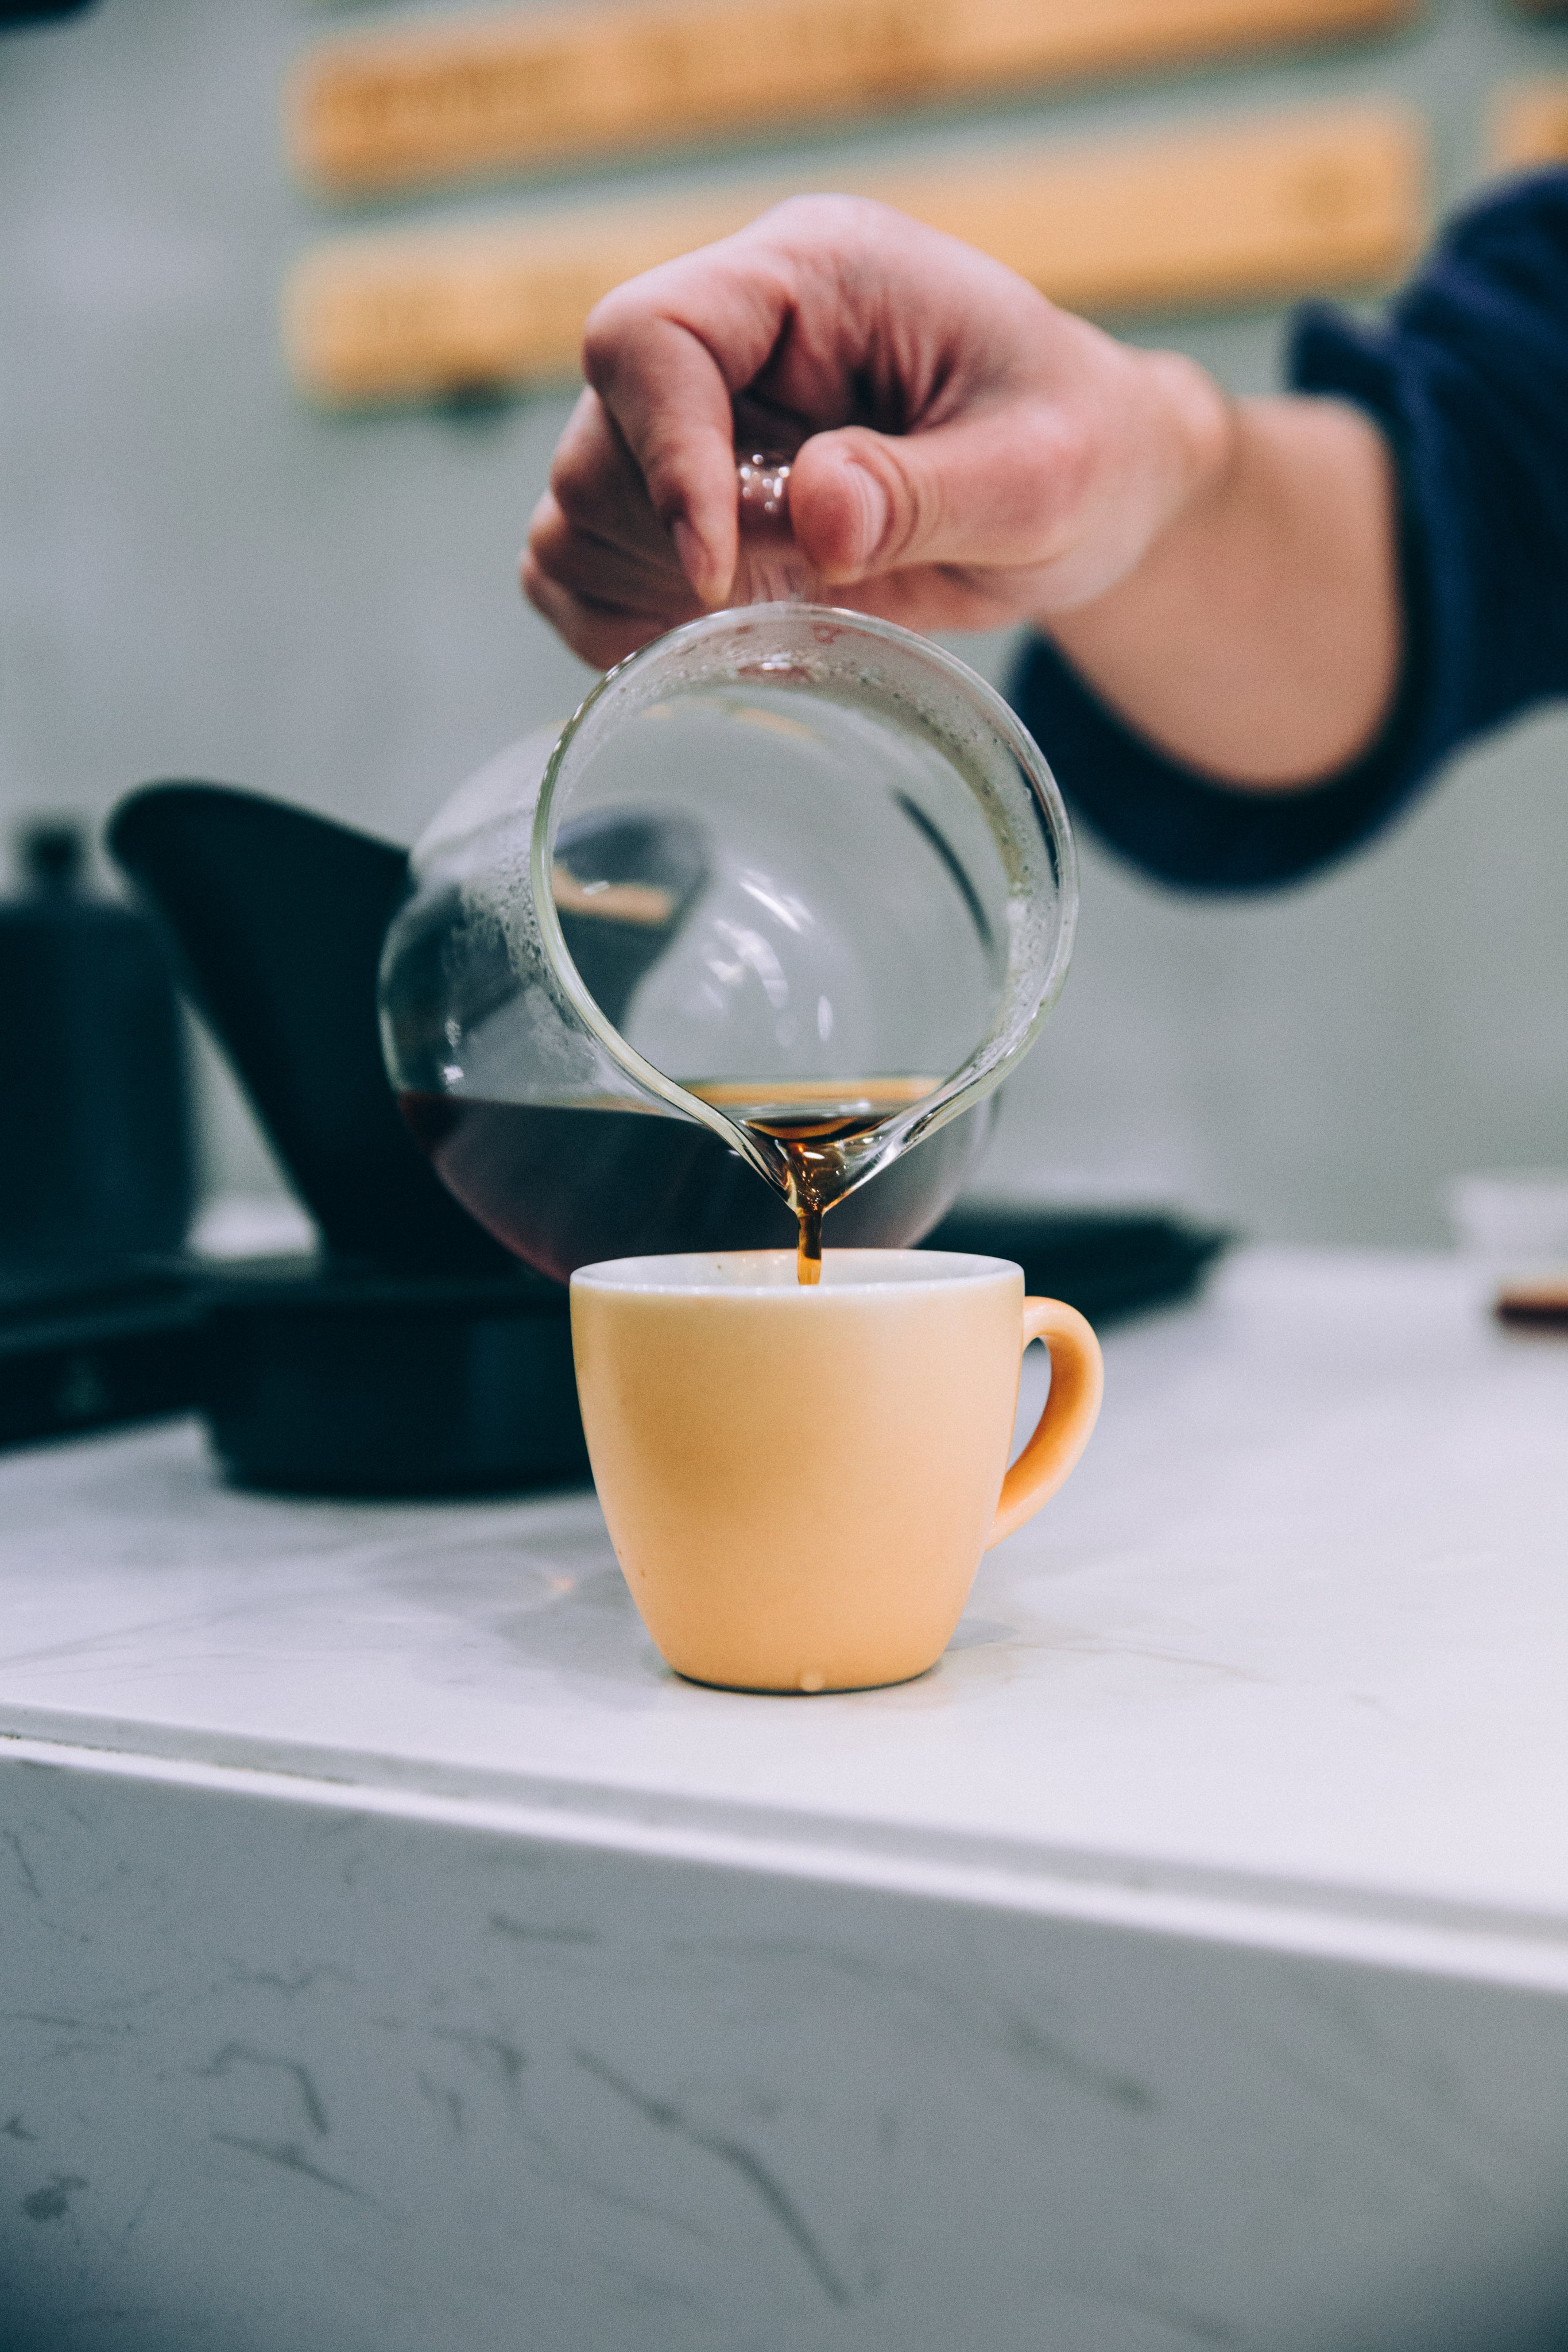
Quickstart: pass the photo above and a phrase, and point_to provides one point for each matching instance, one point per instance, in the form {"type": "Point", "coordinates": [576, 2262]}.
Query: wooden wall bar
{"type": "Point", "coordinates": [1250, 212]}
{"type": "Point", "coordinates": [372, 112]}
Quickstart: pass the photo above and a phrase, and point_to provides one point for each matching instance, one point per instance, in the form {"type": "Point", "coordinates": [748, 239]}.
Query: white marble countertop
{"type": "Point", "coordinates": [1285, 1661]}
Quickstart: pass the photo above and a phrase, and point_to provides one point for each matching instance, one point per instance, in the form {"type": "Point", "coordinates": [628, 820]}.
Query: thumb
{"type": "Point", "coordinates": [987, 489]}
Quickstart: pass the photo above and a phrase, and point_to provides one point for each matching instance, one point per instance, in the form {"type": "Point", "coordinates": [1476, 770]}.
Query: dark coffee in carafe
{"type": "Point", "coordinates": [565, 1185]}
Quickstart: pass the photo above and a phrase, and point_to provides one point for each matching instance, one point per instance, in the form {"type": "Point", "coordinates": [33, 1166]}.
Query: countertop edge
{"type": "Point", "coordinates": [1288, 1918]}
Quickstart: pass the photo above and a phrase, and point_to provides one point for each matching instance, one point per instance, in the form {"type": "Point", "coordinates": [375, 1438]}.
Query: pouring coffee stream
{"type": "Point", "coordinates": [814, 1132]}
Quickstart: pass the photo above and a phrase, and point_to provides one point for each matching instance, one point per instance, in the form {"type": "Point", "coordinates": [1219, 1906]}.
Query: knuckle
{"type": "Point", "coordinates": [604, 333]}
{"type": "Point", "coordinates": [575, 485]}
{"type": "Point", "coordinates": [622, 333]}
{"type": "Point", "coordinates": [544, 525]}
{"type": "Point", "coordinates": [825, 211]}
{"type": "Point", "coordinates": [805, 213]}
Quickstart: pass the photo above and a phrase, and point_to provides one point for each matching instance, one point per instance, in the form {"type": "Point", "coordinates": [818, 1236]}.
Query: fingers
{"type": "Point", "coordinates": [1057, 480]}
{"type": "Point", "coordinates": [605, 595]}
{"type": "Point", "coordinates": [672, 407]}
{"type": "Point", "coordinates": [641, 516]}
{"type": "Point", "coordinates": [600, 635]}
{"type": "Point", "coordinates": [996, 488]}
{"type": "Point", "coordinates": [787, 311]}
{"type": "Point", "coordinates": [599, 566]}
{"type": "Point", "coordinates": [666, 354]}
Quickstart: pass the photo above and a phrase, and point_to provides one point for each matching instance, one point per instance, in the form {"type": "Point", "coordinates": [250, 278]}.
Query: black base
{"type": "Point", "coordinates": [313, 1380]}
{"type": "Point", "coordinates": [337, 1383]}
{"type": "Point", "coordinates": [321, 1379]}
{"type": "Point", "coordinates": [93, 1347]}
{"type": "Point", "coordinates": [1108, 1263]}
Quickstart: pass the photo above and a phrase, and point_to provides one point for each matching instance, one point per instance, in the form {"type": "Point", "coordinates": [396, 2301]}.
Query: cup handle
{"type": "Point", "coordinates": [1061, 1433]}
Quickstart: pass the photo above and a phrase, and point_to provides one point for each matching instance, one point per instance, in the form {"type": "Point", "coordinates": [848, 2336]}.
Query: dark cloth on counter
{"type": "Point", "coordinates": [1468, 375]}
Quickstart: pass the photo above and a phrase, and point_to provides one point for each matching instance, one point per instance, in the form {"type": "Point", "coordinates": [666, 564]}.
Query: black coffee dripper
{"type": "Point", "coordinates": [415, 1355]}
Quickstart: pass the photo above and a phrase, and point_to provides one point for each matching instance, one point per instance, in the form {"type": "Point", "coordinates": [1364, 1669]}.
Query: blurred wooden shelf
{"type": "Point", "coordinates": [1528, 125]}
{"type": "Point", "coordinates": [1252, 212]}
{"type": "Point", "coordinates": [368, 113]}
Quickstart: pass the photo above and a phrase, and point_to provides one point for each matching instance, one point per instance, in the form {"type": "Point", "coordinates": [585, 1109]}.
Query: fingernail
{"type": "Point", "coordinates": [871, 510]}
{"type": "Point", "coordinates": [693, 554]}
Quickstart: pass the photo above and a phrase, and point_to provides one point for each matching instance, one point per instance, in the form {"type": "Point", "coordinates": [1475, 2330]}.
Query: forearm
{"type": "Point", "coordinates": [1258, 639]}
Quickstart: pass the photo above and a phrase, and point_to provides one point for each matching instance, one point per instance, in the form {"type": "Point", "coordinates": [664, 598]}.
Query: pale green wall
{"type": "Point", "coordinates": [198, 575]}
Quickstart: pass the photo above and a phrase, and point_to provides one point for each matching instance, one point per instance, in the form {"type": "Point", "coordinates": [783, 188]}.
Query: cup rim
{"type": "Point", "coordinates": [919, 1270]}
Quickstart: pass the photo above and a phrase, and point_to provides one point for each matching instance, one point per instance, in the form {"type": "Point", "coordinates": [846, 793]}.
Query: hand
{"type": "Point", "coordinates": [964, 454]}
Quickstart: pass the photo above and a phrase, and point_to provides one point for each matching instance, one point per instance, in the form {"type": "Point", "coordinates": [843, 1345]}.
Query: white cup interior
{"type": "Point", "coordinates": [759, 1271]}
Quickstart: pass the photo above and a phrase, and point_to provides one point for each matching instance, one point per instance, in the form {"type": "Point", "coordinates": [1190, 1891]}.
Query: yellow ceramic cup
{"type": "Point", "coordinates": [800, 1482]}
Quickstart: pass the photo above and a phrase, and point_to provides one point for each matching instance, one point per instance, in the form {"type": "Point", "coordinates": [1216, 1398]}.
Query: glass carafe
{"type": "Point", "coordinates": [786, 898]}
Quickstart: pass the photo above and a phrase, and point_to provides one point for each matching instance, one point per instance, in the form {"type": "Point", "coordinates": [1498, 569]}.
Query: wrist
{"type": "Point", "coordinates": [1166, 445]}
{"type": "Point", "coordinates": [1198, 428]}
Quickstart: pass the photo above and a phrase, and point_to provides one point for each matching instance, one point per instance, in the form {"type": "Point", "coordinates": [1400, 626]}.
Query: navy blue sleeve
{"type": "Point", "coordinates": [1468, 375]}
